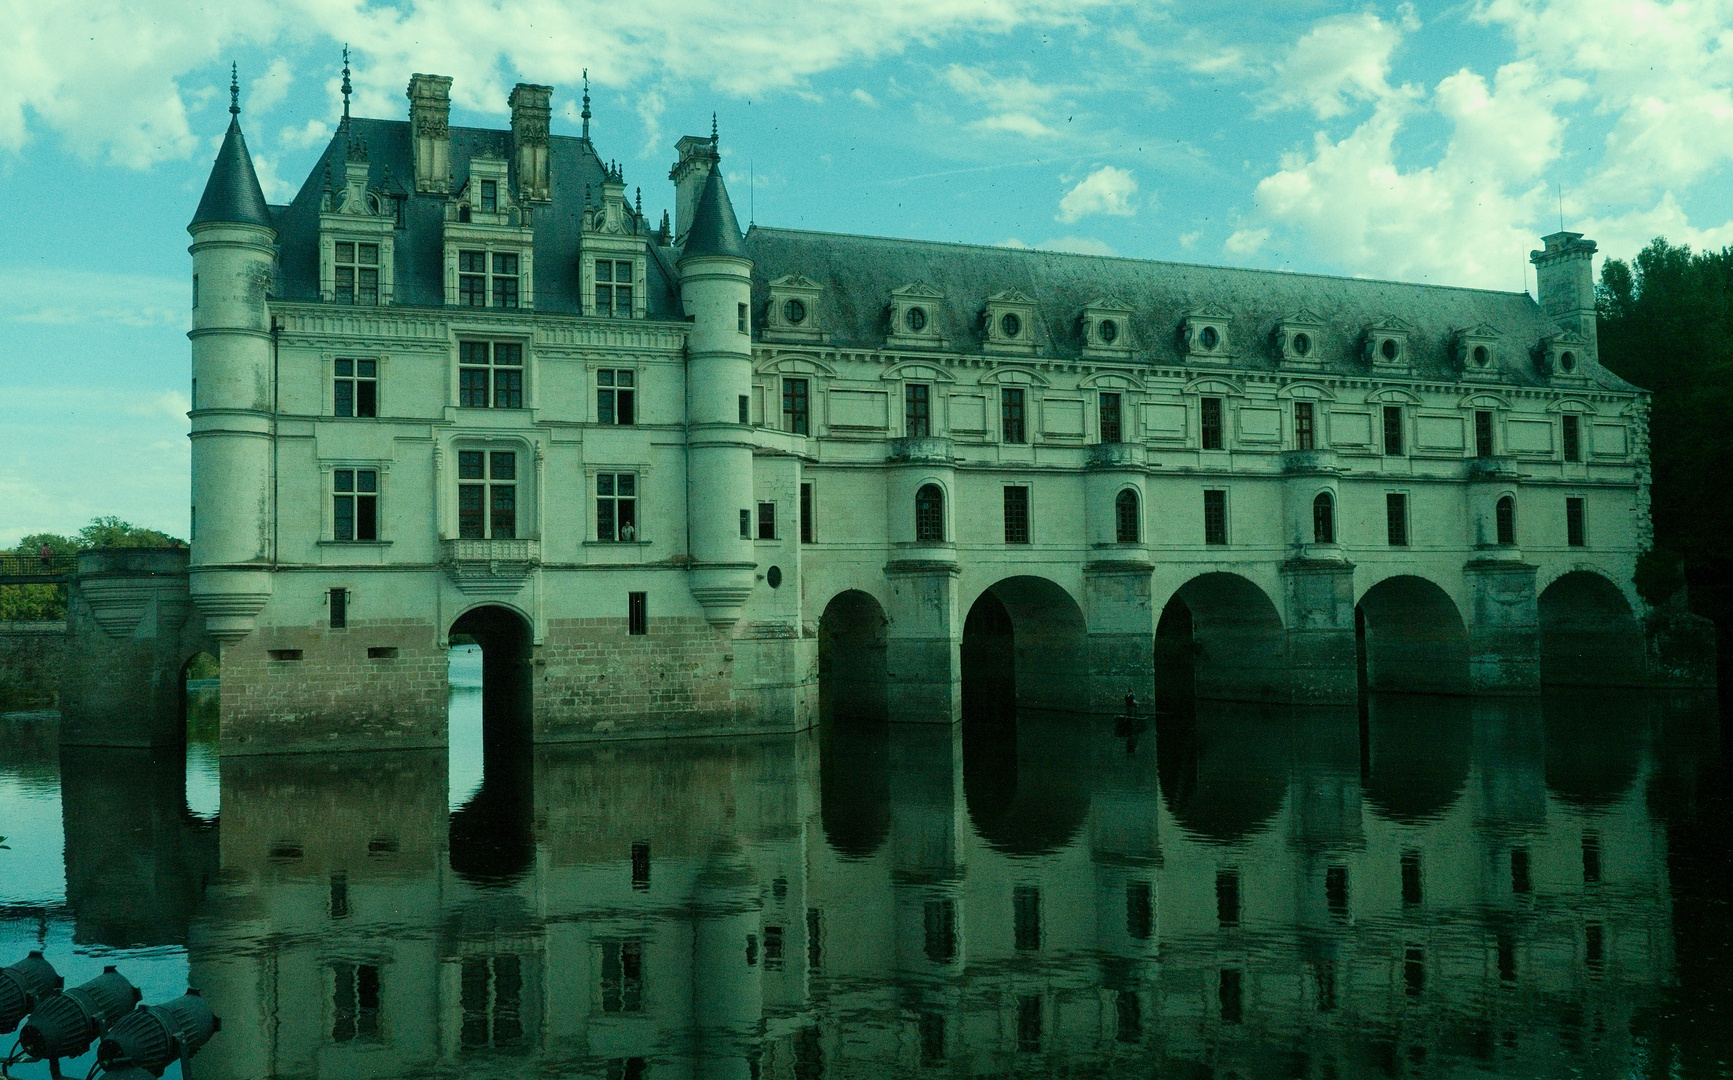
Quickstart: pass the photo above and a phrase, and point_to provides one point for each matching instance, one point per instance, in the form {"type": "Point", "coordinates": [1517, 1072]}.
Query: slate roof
{"type": "Point", "coordinates": [715, 230]}
{"type": "Point", "coordinates": [858, 273]}
{"type": "Point", "coordinates": [232, 193]}
{"type": "Point", "coordinates": [420, 259]}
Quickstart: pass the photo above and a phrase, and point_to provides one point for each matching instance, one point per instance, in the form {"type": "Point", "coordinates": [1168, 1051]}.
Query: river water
{"type": "Point", "coordinates": [1418, 887]}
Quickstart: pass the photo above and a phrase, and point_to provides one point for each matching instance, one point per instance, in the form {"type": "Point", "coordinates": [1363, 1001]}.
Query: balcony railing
{"type": "Point", "coordinates": [490, 566]}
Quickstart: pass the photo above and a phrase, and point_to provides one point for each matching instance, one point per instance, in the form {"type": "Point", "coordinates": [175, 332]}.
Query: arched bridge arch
{"type": "Point", "coordinates": [1588, 634]}
{"type": "Point", "coordinates": [1411, 638]}
{"type": "Point", "coordinates": [1024, 640]}
{"type": "Point", "coordinates": [1220, 636]}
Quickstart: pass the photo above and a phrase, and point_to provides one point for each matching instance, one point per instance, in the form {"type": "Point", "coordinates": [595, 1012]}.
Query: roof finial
{"type": "Point", "coordinates": [234, 89]}
{"type": "Point", "coordinates": [586, 112]}
{"type": "Point", "coordinates": [640, 204]}
{"type": "Point", "coordinates": [712, 129]}
{"type": "Point", "coordinates": [346, 86]}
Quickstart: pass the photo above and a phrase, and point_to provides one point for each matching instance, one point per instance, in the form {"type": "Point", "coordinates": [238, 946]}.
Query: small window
{"type": "Point", "coordinates": [740, 319]}
{"type": "Point", "coordinates": [640, 856]}
{"type": "Point", "coordinates": [806, 513]}
{"type": "Point", "coordinates": [930, 515]}
{"type": "Point", "coordinates": [1481, 356]}
{"type": "Point", "coordinates": [767, 521]}
{"type": "Point", "coordinates": [505, 280]}
{"type": "Point", "coordinates": [1323, 519]}
{"type": "Point", "coordinates": [1567, 361]}
{"type": "Point", "coordinates": [1393, 430]}
{"type": "Point", "coordinates": [1324, 975]}
{"type": "Point", "coordinates": [617, 507]}
{"type": "Point", "coordinates": [1573, 445]}
{"type": "Point", "coordinates": [1016, 515]}
{"type": "Point", "coordinates": [284, 654]}
{"type": "Point", "coordinates": [751, 950]}
{"type": "Point", "coordinates": [1483, 433]}
{"type": "Point", "coordinates": [915, 319]}
{"type": "Point", "coordinates": [637, 621]}
{"type": "Point", "coordinates": [356, 269]}
{"type": "Point", "coordinates": [1390, 349]}
{"type": "Point", "coordinates": [1209, 337]}
{"type": "Point", "coordinates": [1505, 512]}
{"type": "Point", "coordinates": [1011, 414]}
{"type": "Point", "coordinates": [487, 494]}
{"type": "Point", "coordinates": [1010, 325]}
{"type": "Point", "coordinates": [814, 939]}
{"type": "Point", "coordinates": [1126, 519]}
{"type": "Point", "coordinates": [622, 976]}
{"type": "Point", "coordinates": [932, 1034]}
{"type": "Point", "coordinates": [795, 411]}
{"type": "Point", "coordinates": [490, 997]}
{"type": "Point", "coordinates": [354, 1002]}
{"type": "Point", "coordinates": [490, 375]}
{"type": "Point", "coordinates": [1305, 425]}
{"type": "Point", "coordinates": [382, 652]}
{"type": "Point", "coordinates": [773, 948]}
{"type": "Point", "coordinates": [1411, 894]}
{"type": "Point", "coordinates": [1108, 330]}
{"type": "Point", "coordinates": [195, 290]}
{"type": "Point", "coordinates": [1594, 946]}
{"type": "Point", "coordinates": [745, 524]}
{"type": "Point", "coordinates": [745, 410]}
{"type": "Point", "coordinates": [356, 389]}
{"type": "Point", "coordinates": [613, 289]}
{"type": "Point", "coordinates": [490, 196]}
{"type": "Point", "coordinates": [940, 920]}
{"type": "Point", "coordinates": [1112, 430]}
{"type": "Point", "coordinates": [1026, 917]}
{"type": "Point", "coordinates": [1576, 532]}
{"type": "Point", "coordinates": [917, 410]}
{"type": "Point", "coordinates": [1215, 517]}
{"type": "Point", "coordinates": [616, 396]}
{"type": "Point", "coordinates": [794, 311]}
{"type": "Point", "coordinates": [339, 602]}
{"type": "Point", "coordinates": [339, 907]}
{"type": "Point", "coordinates": [1228, 897]}
{"type": "Point", "coordinates": [1302, 344]}
{"type": "Point", "coordinates": [1139, 910]}
{"type": "Point", "coordinates": [1210, 422]}
{"type": "Point", "coordinates": [355, 504]}
{"type": "Point", "coordinates": [1396, 519]}
{"type": "Point", "coordinates": [1506, 956]}
{"type": "Point", "coordinates": [1336, 892]}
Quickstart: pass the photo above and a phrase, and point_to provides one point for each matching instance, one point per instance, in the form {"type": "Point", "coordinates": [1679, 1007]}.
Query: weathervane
{"type": "Point", "coordinates": [586, 112]}
{"type": "Point", "coordinates": [346, 86]}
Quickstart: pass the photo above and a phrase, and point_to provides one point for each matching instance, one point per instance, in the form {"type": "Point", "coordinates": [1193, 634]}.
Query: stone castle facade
{"type": "Point", "coordinates": [463, 384]}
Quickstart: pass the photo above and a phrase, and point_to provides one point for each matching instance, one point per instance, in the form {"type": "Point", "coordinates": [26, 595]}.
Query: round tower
{"type": "Point", "coordinates": [716, 288]}
{"type": "Point", "coordinates": [234, 259]}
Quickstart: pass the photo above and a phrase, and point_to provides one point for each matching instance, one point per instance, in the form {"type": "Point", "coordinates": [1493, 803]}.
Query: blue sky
{"type": "Point", "coordinates": [1423, 142]}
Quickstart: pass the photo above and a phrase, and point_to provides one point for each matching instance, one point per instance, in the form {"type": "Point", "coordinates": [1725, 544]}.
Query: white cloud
{"type": "Point", "coordinates": [1004, 94]}
{"type": "Point", "coordinates": [78, 297]}
{"type": "Point", "coordinates": [1340, 61]}
{"type": "Point", "coordinates": [1107, 190]}
{"type": "Point", "coordinates": [1242, 242]}
{"type": "Point", "coordinates": [168, 405]}
{"type": "Point", "coordinates": [1015, 123]}
{"type": "Point", "coordinates": [312, 133]}
{"type": "Point", "coordinates": [864, 98]}
{"type": "Point", "coordinates": [268, 90]}
{"type": "Point", "coordinates": [276, 189]}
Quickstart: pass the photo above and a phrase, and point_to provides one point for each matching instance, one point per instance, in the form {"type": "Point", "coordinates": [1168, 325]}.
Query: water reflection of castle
{"type": "Point", "coordinates": [1289, 894]}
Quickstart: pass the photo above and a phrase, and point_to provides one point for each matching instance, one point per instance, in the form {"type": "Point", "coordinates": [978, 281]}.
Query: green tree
{"type": "Point", "coordinates": [1666, 324]}
{"type": "Point", "coordinates": [111, 532]}
{"type": "Point", "coordinates": [47, 603]}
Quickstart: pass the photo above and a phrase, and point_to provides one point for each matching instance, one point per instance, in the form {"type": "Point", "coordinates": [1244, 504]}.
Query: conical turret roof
{"type": "Point", "coordinates": [715, 231]}
{"type": "Point", "coordinates": [232, 194]}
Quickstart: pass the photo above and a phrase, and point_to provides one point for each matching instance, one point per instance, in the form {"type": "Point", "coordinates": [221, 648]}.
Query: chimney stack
{"type": "Point", "coordinates": [697, 157]}
{"type": "Point", "coordinates": [430, 129]}
{"type": "Point", "coordinates": [531, 109]}
{"type": "Point", "coordinates": [1564, 273]}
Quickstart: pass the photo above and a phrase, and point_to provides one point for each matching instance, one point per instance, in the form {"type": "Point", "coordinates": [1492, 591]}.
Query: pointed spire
{"type": "Point", "coordinates": [232, 194]}
{"type": "Point", "coordinates": [715, 230]}
{"type": "Point", "coordinates": [346, 87]}
{"type": "Point", "coordinates": [640, 204]}
{"type": "Point", "coordinates": [586, 112]}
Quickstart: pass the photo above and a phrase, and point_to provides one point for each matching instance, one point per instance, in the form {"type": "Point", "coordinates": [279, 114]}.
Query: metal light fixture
{"type": "Point", "coordinates": [65, 1024]}
{"type": "Point", "coordinates": [153, 1037]}
{"type": "Point", "coordinates": [23, 986]}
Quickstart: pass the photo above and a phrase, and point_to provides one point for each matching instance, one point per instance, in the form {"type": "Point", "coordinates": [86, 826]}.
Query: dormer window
{"type": "Point", "coordinates": [483, 275]}
{"type": "Point", "coordinates": [490, 196]}
{"type": "Point", "coordinates": [1008, 325]}
{"type": "Point", "coordinates": [613, 288]}
{"type": "Point", "coordinates": [1297, 338]}
{"type": "Point", "coordinates": [792, 312]}
{"type": "Point", "coordinates": [1204, 333]}
{"type": "Point", "coordinates": [914, 315]}
{"type": "Point", "coordinates": [357, 273]}
{"type": "Point", "coordinates": [1107, 329]}
{"type": "Point", "coordinates": [1562, 354]}
{"type": "Point", "coordinates": [1386, 343]}
{"type": "Point", "coordinates": [916, 320]}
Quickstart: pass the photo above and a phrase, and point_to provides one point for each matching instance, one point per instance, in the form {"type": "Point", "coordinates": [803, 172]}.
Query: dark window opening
{"type": "Point", "coordinates": [1576, 533]}
{"type": "Point", "coordinates": [616, 396]}
{"type": "Point", "coordinates": [1591, 858]}
{"type": "Point", "coordinates": [1029, 1024]}
{"type": "Point", "coordinates": [1126, 520]}
{"type": "Point", "coordinates": [773, 948]}
{"type": "Point", "coordinates": [1111, 429]}
{"type": "Point", "coordinates": [1129, 1028]}
{"type": "Point", "coordinates": [1505, 513]}
{"type": "Point", "coordinates": [929, 515]}
{"type": "Point", "coordinates": [339, 895]}
{"type": "Point", "coordinates": [1228, 897]}
{"type": "Point", "coordinates": [1594, 946]}
{"type": "Point", "coordinates": [1396, 519]}
{"type": "Point", "coordinates": [767, 521]}
{"type": "Point", "coordinates": [806, 513]}
{"type": "Point", "coordinates": [794, 406]}
{"type": "Point", "coordinates": [1323, 519]}
{"type": "Point", "coordinates": [640, 857]}
{"type": "Point", "coordinates": [355, 504]}
{"type": "Point", "coordinates": [490, 995]}
{"type": "Point", "coordinates": [1026, 917]}
{"type": "Point", "coordinates": [488, 506]}
{"type": "Point", "coordinates": [356, 273]}
{"type": "Point", "coordinates": [1572, 438]}
{"type": "Point", "coordinates": [1324, 974]}
{"type": "Point", "coordinates": [1411, 893]}
{"type": "Point", "coordinates": [339, 608]}
{"type": "Point", "coordinates": [285, 654]}
{"type": "Point", "coordinates": [740, 322]}
{"type": "Point", "coordinates": [1414, 972]}
{"type": "Point", "coordinates": [1016, 515]}
{"type": "Point", "coordinates": [1305, 426]}
{"type": "Point", "coordinates": [1336, 892]}
{"type": "Point", "coordinates": [1210, 422]}
{"type": "Point", "coordinates": [1483, 434]}
{"type": "Point", "coordinates": [814, 941]}
{"type": "Point", "coordinates": [1139, 910]}
{"type": "Point", "coordinates": [1393, 430]}
{"type": "Point", "coordinates": [382, 652]}
{"type": "Point", "coordinates": [1215, 517]}
{"type": "Point", "coordinates": [932, 1031]}
{"type": "Point", "coordinates": [917, 410]}
{"type": "Point", "coordinates": [1011, 414]}
{"type": "Point", "coordinates": [745, 409]}
{"type": "Point", "coordinates": [1519, 879]}
{"type": "Point", "coordinates": [354, 1002]}
{"type": "Point", "coordinates": [637, 620]}
{"type": "Point", "coordinates": [617, 507]}
{"type": "Point", "coordinates": [1506, 956]}
{"type": "Point", "coordinates": [490, 374]}
{"type": "Point", "coordinates": [1228, 994]}
{"type": "Point", "coordinates": [751, 950]}
{"type": "Point", "coordinates": [622, 976]}
{"type": "Point", "coordinates": [356, 389]}
{"type": "Point", "coordinates": [613, 289]}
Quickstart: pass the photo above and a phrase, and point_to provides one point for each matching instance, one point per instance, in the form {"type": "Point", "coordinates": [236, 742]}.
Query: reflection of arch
{"type": "Point", "coordinates": [1588, 636]}
{"type": "Point", "coordinates": [1594, 745]}
{"type": "Point", "coordinates": [1223, 768]}
{"type": "Point", "coordinates": [1228, 632]}
{"type": "Point", "coordinates": [491, 838]}
{"type": "Point", "coordinates": [1323, 519]}
{"type": "Point", "coordinates": [854, 786]}
{"type": "Point", "coordinates": [851, 657]}
{"type": "Point", "coordinates": [1024, 784]}
{"type": "Point", "coordinates": [1418, 754]}
{"type": "Point", "coordinates": [1030, 630]}
{"type": "Point", "coordinates": [1412, 638]}
{"type": "Point", "coordinates": [930, 514]}
{"type": "Point", "coordinates": [1127, 521]}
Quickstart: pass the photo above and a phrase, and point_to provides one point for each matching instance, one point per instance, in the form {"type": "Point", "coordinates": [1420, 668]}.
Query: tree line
{"type": "Point", "coordinates": [47, 603]}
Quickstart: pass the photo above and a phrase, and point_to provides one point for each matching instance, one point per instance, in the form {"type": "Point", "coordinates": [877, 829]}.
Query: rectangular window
{"type": "Point", "coordinates": [1336, 892]}
{"type": "Point", "coordinates": [794, 406]}
{"type": "Point", "coordinates": [640, 856]}
{"type": "Point", "coordinates": [1393, 430]}
{"type": "Point", "coordinates": [745, 410]}
{"type": "Point", "coordinates": [1576, 534]}
{"type": "Point", "coordinates": [1139, 910]}
{"type": "Point", "coordinates": [941, 931]}
{"type": "Point", "coordinates": [617, 507]}
{"type": "Point", "coordinates": [490, 995]}
{"type": "Point", "coordinates": [917, 410]}
{"type": "Point", "coordinates": [354, 1002]}
{"type": "Point", "coordinates": [1011, 414]}
{"type": "Point", "coordinates": [490, 365]}
{"type": "Point", "coordinates": [1483, 433]}
{"type": "Point", "coordinates": [1572, 438]}
{"type": "Point", "coordinates": [490, 196]}
{"type": "Point", "coordinates": [505, 280]}
{"type": "Point", "coordinates": [1396, 519]}
{"type": "Point", "coordinates": [357, 273]}
{"type": "Point", "coordinates": [637, 619]}
{"type": "Point", "coordinates": [1414, 971]}
{"type": "Point", "coordinates": [487, 507]}
{"type": "Point", "coordinates": [622, 976]}
{"type": "Point", "coordinates": [1591, 857]}
{"type": "Point", "coordinates": [1594, 946]}
{"type": "Point", "coordinates": [745, 524]}
{"type": "Point", "coordinates": [339, 601]}
{"type": "Point", "coordinates": [806, 513]}
{"type": "Point", "coordinates": [356, 390]}
{"type": "Point", "coordinates": [1215, 517]}
{"type": "Point", "coordinates": [355, 504]}
{"type": "Point", "coordinates": [1411, 893]}
{"type": "Point", "coordinates": [1016, 515]}
{"type": "Point", "coordinates": [1026, 917]}
{"type": "Point", "coordinates": [1305, 426]}
{"type": "Point", "coordinates": [767, 521]}
{"type": "Point", "coordinates": [814, 940]}
{"type": "Point", "coordinates": [1324, 973]}
{"type": "Point", "coordinates": [613, 289]}
{"type": "Point", "coordinates": [616, 396]}
{"type": "Point", "coordinates": [472, 278]}
{"type": "Point", "coordinates": [1111, 429]}
{"type": "Point", "coordinates": [1228, 897]}
{"type": "Point", "coordinates": [932, 1033]}
{"type": "Point", "coordinates": [481, 274]}
{"type": "Point", "coordinates": [1210, 422]}
{"type": "Point", "coordinates": [740, 322]}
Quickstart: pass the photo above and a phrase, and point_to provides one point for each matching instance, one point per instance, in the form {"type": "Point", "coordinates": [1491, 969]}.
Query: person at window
{"type": "Point", "coordinates": [628, 532]}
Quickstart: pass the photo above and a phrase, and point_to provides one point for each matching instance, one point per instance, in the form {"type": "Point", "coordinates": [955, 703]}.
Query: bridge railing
{"type": "Point", "coordinates": [22, 568]}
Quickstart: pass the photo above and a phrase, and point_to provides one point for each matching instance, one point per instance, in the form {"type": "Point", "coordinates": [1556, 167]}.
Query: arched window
{"type": "Point", "coordinates": [1506, 521]}
{"type": "Point", "coordinates": [1323, 519]}
{"type": "Point", "coordinates": [1125, 517]}
{"type": "Point", "coordinates": [930, 514]}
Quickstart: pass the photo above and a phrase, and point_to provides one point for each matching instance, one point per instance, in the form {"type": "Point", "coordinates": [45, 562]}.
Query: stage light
{"type": "Point", "coordinates": [152, 1037]}
{"type": "Point", "coordinates": [23, 986]}
{"type": "Point", "coordinates": [64, 1025]}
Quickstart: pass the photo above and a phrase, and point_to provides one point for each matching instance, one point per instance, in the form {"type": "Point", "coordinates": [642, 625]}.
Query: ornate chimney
{"type": "Point", "coordinates": [430, 128]}
{"type": "Point", "coordinates": [697, 157]}
{"type": "Point", "coordinates": [1564, 273]}
{"type": "Point", "coordinates": [531, 109]}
